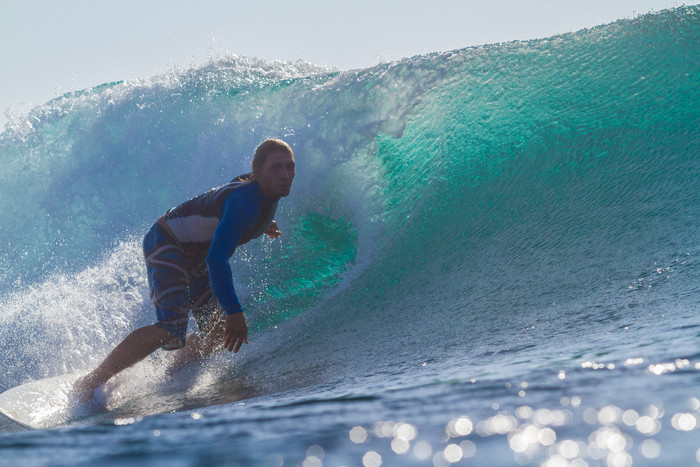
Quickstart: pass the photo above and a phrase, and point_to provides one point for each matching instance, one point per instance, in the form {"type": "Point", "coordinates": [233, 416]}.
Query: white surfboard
{"type": "Point", "coordinates": [51, 402]}
{"type": "Point", "coordinates": [39, 404]}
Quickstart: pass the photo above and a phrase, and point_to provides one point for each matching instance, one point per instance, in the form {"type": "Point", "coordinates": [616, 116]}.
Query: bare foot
{"type": "Point", "coordinates": [84, 388]}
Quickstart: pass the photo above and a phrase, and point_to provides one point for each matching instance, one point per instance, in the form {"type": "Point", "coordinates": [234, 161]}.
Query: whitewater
{"type": "Point", "coordinates": [490, 256]}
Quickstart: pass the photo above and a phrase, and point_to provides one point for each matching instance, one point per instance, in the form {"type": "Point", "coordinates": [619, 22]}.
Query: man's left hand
{"type": "Point", "coordinates": [273, 231]}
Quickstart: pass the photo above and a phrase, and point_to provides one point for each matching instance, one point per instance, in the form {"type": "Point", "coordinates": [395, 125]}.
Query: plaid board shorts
{"type": "Point", "coordinates": [178, 287]}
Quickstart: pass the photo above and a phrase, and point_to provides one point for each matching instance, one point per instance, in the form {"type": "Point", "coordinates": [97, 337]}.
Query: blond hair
{"type": "Point", "coordinates": [266, 148]}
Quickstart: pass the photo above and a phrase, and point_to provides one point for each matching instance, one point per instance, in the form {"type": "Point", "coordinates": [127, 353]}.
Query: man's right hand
{"type": "Point", "coordinates": [236, 332]}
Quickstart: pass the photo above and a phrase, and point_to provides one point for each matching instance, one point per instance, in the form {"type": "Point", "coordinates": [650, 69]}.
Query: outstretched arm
{"type": "Point", "coordinates": [235, 216]}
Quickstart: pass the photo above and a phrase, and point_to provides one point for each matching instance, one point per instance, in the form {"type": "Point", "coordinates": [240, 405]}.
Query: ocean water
{"type": "Point", "coordinates": [490, 256]}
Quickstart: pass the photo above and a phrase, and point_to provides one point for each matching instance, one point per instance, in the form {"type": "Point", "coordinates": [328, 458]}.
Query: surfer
{"type": "Point", "coordinates": [187, 252]}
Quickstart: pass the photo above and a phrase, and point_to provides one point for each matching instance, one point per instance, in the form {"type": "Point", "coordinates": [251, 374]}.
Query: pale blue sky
{"type": "Point", "coordinates": [49, 47]}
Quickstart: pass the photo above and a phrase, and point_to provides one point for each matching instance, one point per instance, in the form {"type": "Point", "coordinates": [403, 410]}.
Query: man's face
{"type": "Point", "coordinates": [277, 174]}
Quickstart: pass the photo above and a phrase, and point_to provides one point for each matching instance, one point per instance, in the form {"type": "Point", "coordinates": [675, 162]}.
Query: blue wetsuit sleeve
{"type": "Point", "coordinates": [235, 217]}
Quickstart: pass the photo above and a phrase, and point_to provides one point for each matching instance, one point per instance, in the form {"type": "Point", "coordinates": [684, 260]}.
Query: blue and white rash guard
{"type": "Point", "coordinates": [210, 226]}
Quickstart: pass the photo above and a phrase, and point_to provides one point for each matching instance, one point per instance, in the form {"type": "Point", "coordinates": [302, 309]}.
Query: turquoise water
{"type": "Point", "coordinates": [490, 257]}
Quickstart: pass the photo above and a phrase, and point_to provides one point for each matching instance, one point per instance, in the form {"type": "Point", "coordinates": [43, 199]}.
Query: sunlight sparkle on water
{"type": "Point", "coordinates": [372, 459]}
{"type": "Point", "coordinates": [661, 368]}
{"type": "Point", "coordinates": [684, 421]}
{"type": "Point", "coordinates": [630, 417]}
{"type": "Point", "coordinates": [422, 450]}
{"type": "Point", "coordinates": [650, 448]}
{"type": "Point", "coordinates": [461, 426]}
{"type": "Point", "coordinates": [358, 435]}
{"type": "Point", "coordinates": [618, 436]}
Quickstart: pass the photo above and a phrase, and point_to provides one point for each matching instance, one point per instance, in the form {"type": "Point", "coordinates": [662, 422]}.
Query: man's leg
{"type": "Point", "coordinates": [134, 348]}
{"type": "Point", "coordinates": [212, 338]}
{"type": "Point", "coordinates": [200, 347]}
{"type": "Point", "coordinates": [207, 314]}
{"type": "Point", "coordinates": [169, 287]}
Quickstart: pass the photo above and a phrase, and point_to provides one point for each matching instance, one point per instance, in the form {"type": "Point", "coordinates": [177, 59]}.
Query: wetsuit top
{"type": "Point", "coordinates": [211, 226]}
